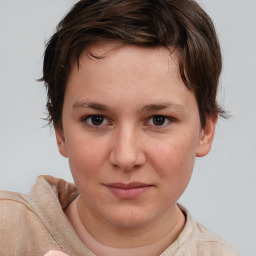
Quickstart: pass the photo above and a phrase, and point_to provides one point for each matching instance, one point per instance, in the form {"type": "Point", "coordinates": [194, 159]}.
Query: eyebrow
{"type": "Point", "coordinates": [161, 106]}
{"type": "Point", "coordinates": [93, 105]}
{"type": "Point", "coordinates": [147, 108]}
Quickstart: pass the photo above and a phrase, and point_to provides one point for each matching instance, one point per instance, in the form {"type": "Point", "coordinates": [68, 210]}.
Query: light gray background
{"type": "Point", "coordinates": [222, 191]}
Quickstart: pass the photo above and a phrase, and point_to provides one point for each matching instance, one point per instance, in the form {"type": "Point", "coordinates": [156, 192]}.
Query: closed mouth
{"type": "Point", "coordinates": [128, 186]}
{"type": "Point", "coordinates": [128, 191]}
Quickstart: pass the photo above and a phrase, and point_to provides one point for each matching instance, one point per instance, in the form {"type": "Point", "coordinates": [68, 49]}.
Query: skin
{"type": "Point", "coordinates": [55, 253]}
{"type": "Point", "coordinates": [126, 89]}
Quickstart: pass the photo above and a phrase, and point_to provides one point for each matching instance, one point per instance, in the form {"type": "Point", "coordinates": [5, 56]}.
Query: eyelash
{"type": "Point", "coordinates": [167, 120]}
{"type": "Point", "coordinates": [87, 118]}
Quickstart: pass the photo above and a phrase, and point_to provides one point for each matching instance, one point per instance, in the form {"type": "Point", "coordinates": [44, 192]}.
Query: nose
{"type": "Point", "coordinates": [127, 149]}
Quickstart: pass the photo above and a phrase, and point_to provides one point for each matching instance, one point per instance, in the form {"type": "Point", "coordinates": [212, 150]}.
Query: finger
{"type": "Point", "coordinates": [55, 253]}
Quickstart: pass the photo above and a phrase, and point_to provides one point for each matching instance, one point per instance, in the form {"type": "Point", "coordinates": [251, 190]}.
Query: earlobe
{"type": "Point", "coordinates": [60, 138]}
{"type": "Point", "coordinates": [206, 136]}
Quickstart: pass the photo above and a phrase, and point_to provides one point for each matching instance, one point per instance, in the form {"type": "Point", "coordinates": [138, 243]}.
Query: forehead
{"type": "Point", "coordinates": [118, 72]}
{"type": "Point", "coordinates": [122, 58]}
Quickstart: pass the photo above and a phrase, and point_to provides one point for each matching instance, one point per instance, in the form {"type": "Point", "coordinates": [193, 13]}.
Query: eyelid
{"type": "Point", "coordinates": [85, 119]}
{"type": "Point", "coordinates": [107, 122]}
{"type": "Point", "coordinates": [169, 120]}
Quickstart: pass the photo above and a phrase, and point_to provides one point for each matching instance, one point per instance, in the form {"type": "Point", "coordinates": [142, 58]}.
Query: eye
{"type": "Point", "coordinates": [96, 120]}
{"type": "Point", "coordinates": [158, 120]}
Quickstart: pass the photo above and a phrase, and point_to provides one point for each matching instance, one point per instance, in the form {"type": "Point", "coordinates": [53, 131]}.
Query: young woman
{"type": "Point", "coordinates": [132, 97]}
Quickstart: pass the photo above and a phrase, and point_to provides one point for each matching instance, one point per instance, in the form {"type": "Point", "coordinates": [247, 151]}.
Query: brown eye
{"type": "Point", "coordinates": [96, 120]}
{"type": "Point", "coordinates": [159, 120]}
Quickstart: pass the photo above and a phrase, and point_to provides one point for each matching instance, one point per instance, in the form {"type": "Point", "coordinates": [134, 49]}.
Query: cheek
{"type": "Point", "coordinates": [175, 154]}
{"type": "Point", "coordinates": [86, 158]}
{"type": "Point", "coordinates": [85, 165]}
{"type": "Point", "coordinates": [174, 161]}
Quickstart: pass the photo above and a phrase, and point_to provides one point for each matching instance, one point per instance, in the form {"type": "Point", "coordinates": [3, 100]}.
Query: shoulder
{"type": "Point", "coordinates": [207, 241]}
{"type": "Point", "coordinates": [196, 240]}
{"type": "Point", "coordinates": [21, 229]}
{"type": "Point", "coordinates": [13, 206]}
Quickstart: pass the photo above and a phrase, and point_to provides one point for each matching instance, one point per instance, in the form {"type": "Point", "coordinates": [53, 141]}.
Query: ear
{"type": "Point", "coordinates": [60, 138]}
{"type": "Point", "coordinates": [206, 136]}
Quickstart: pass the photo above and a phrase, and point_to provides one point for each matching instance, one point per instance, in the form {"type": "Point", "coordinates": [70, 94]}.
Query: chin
{"type": "Point", "coordinates": [129, 218]}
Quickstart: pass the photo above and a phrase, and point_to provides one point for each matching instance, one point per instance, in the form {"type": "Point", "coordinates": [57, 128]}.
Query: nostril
{"type": "Point", "coordinates": [127, 162]}
{"type": "Point", "coordinates": [126, 153]}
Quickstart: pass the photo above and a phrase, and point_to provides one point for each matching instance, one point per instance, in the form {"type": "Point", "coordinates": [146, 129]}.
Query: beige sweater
{"type": "Point", "coordinates": [35, 224]}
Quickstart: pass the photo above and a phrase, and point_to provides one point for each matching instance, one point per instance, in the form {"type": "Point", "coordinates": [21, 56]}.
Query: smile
{"type": "Point", "coordinates": [128, 191]}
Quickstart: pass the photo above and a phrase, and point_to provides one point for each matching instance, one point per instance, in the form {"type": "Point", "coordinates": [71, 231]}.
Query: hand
{"type": "Point", "coordinates": [55, 253]}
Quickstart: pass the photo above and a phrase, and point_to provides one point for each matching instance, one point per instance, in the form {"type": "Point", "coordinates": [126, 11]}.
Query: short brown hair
{"type": "Point", "coordinates": [180, 24]}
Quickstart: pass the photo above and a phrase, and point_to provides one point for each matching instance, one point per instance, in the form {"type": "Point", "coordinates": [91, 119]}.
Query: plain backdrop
{"type": "Point", "coordinates": [222, 191]}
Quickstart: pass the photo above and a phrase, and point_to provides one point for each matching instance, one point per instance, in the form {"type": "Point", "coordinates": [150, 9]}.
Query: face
{"type": "Point", "coordinates": [131, 131]}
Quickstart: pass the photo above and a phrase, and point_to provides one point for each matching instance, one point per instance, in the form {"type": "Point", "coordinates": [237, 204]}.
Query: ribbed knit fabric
{"type": "Point", "coordinates": [36, 223]}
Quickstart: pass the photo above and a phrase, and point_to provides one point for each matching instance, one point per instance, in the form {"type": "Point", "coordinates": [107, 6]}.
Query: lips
{"type": "Point", "coordinates": [128, 191]}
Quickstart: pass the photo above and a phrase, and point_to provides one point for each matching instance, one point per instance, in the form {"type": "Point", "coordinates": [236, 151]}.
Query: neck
{"type": "Point", "coordinates": [165, 227]}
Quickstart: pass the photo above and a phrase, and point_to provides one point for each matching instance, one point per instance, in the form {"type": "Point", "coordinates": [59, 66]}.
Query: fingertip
{"type": "Point", "coordinates": [55, 253]}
